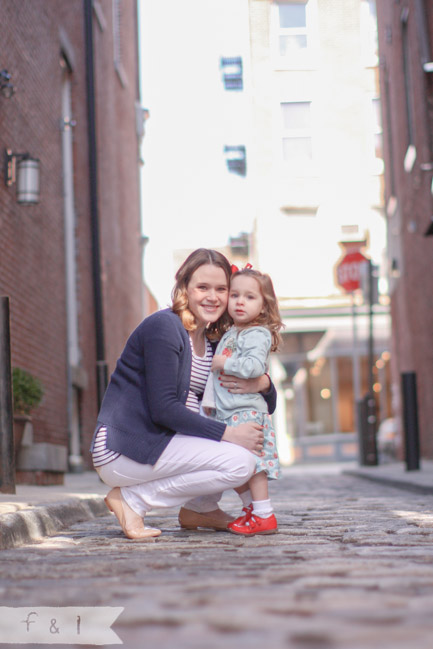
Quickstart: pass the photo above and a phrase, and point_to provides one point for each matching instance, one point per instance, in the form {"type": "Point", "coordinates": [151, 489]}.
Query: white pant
{"type": "Point", "coordinates": [189, 468]}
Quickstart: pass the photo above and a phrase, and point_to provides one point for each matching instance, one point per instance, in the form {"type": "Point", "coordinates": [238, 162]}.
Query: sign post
{"type": "Point", "coordinates": [350, 273]}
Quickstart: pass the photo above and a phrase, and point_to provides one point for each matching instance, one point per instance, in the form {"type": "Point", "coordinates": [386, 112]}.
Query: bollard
{"type": "Point", "coordinates": [362, 433]}
{"type": "Point", "coordinates": [366, 411]}
{"type": "Point", "coordinates": [7, 457]}
{"type": "Point", "coordinates": [410, 419]}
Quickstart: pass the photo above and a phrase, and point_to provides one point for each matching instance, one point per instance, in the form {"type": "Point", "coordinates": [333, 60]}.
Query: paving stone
{"type": "Point", "coordinates": [352, 568]}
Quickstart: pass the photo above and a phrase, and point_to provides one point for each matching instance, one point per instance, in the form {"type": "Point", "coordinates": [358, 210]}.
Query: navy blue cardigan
{"type": "Point", "coordinates": [144, 404]}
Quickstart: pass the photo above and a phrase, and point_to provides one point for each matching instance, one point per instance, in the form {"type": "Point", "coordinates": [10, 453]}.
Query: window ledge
{"type": "Point", "coordinates": [120, 70]}
{"type": "Point", "coordinates": [294, 65]}
{"type": "Point", "coordinates": [99, 13]}
{"type": "Point", "coordinates": [409, 158]}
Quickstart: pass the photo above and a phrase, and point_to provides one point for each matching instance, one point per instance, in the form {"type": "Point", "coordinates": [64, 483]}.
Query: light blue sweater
{"type": "Point", "coordinates": [247, 352]}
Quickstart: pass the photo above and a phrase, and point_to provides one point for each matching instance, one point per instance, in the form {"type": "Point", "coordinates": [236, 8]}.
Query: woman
{"type": "Point", "coordinates": [151, 444]}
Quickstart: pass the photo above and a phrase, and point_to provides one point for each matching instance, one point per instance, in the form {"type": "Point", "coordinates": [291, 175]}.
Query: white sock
{"type": "Point", "coordinates": [246, 498]}
{"type": "Point", "coordinates": [262, 508]}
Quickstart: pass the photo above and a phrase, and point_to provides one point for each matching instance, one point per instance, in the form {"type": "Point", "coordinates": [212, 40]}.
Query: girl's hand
{"type": "Point", "coordinates": [248, 435]}
{"type": "Point", "coordinates": [218, 362]}
{"type": "Point", "coordinates": [244, 386]}
{"type": "Point", "coordinates": [208, 411]}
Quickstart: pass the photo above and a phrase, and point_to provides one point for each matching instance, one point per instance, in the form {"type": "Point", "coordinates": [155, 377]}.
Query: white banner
{"type": "Point", "coordinates": [59, 625]}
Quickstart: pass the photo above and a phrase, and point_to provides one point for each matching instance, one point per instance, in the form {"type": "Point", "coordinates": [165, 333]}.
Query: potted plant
{"type": "Point", "coordinates": [27, 392]}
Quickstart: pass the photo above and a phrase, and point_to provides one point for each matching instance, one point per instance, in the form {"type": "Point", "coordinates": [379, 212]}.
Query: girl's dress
{"type": "Point", "coordinates": [247, 356]}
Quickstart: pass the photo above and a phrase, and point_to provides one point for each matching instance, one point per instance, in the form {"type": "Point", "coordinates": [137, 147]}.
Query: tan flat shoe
{"type": "Point", "coordinates": [130, 522]}
{"type": "Point", "coordinates": [214, 520]}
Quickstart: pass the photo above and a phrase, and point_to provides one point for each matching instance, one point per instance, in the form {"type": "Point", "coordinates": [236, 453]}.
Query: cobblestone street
{"type": "Point", "coordinates": [351, 568]}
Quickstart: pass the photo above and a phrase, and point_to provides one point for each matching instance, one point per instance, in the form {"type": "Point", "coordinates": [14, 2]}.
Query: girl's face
{"type": "Point", "coordinates": [245, 300]}
{"type": "Point", "coordinates": [207, 294]}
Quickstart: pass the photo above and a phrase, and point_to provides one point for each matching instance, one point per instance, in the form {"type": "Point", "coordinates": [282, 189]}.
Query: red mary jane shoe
{"type": "Point", "coordinates": [248, 511]}
{"type": "Point", "coordinates": [254, 525]}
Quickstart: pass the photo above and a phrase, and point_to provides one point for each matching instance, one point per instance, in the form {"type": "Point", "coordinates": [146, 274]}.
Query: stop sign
{"type": "Point", "coordinates": [349, 271]}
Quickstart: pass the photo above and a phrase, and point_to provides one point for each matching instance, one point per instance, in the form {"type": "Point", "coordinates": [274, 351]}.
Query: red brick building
{"type": "Point", "coordinates": [406, 78]}
{"type": "Point", "coordinates": [71, 263]}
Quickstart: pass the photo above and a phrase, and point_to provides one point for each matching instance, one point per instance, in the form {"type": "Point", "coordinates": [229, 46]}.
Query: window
{"type": "Point", "coordinates": [394, 243]}
{"type": "Point", "coordinates": [117, 41]}
{"type": "Point", "coordinates": [297, 144]}
{"type": "Point", "coordinates": [411, 151]}
{"type": "Point", "coordinates": [296, 115]}
{"type": "Point", "coordinates": [369, 38]}
{"type": "Point", "coordinates": [240, 245]}
{"type": "Point", "coordinates": [236, 159]}
{"type": "Point", "coordinates": [232, 73]}
{"type": "Point", "coordinates": [292, 27]}
{"type": "Point", "coordinates": [389, 135]}
{"type": "Point", "coordinates": [423, 35]}
{"type": "Point", "coordinates": [293, 33]}
{"type": "Point", "coordinates": [377, 132]}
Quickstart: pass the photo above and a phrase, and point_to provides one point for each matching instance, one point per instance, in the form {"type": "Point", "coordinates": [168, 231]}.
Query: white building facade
{"type": "Point", "coordinates": [273, 113]}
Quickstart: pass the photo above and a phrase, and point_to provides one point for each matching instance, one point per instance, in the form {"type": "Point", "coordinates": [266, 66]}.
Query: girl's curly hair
{"type": "Point", "coordinates": [180, 306]}
{"type": "Point", "coordinates": [270, 314]}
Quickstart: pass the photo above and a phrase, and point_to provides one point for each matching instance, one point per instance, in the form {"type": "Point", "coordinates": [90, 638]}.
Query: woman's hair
{"type": "Point", "coordinates": [198, 258]}
{"type": "Point", "coordinates": [270, 315]}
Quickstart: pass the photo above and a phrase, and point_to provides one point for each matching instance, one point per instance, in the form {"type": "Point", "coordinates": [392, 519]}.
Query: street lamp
{"type": "Point", "coordinates": [23, 169]}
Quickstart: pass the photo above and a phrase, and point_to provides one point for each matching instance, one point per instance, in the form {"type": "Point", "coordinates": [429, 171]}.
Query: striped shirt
{"type": "Point", "coordinates": [200, 368]}
{"type": "Point", "coordinates": [101, 454]}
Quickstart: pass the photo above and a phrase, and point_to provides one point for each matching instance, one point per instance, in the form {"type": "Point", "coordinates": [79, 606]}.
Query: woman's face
{"type": "Point", "coordinates": [207, 294]}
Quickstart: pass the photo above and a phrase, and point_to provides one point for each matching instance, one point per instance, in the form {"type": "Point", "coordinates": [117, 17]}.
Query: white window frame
{"type": "Point", "coordinates": [304, 59]}
{"type": "Point", "coordinates": [375, 103]}
{"type": "Point", "coordinates": [373, 128]}
{"type": "Point", "coordinates": [296, 168]}
{"type": "Point", "coordinates": [369, 36]}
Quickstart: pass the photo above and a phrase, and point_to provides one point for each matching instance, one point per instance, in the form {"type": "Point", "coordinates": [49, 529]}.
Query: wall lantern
{"type": "Point", "coordinates": [24, 170]}
{"type": "Point", "coordinates": [7, 89]}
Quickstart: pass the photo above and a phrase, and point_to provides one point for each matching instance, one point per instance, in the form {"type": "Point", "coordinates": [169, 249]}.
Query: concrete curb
{"type": "Point", "coordinates": [36, 522]}
{"type": "Point", "coordinates": [391, 481]}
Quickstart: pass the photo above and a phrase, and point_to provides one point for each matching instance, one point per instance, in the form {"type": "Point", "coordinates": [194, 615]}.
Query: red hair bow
{"type": "Point", "coordinates": [235, 269]}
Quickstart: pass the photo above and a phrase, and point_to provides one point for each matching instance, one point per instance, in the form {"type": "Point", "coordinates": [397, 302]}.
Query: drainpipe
{"type": "Point", "coordinates": [7, 451]}
{"type": "Point", "coordinates": [101, 363]}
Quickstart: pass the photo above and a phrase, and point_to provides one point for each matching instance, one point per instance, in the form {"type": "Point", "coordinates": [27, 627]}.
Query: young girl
{"type": "Point", "coordinates": [243, 351]}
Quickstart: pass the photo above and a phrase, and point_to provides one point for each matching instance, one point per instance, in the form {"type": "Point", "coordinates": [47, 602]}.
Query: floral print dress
{"type": "Point", "coordinates": [268, 459]}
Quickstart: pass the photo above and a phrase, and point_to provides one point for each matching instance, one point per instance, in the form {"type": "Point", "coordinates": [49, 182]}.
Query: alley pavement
{"type": "Point", "coordinates": [35, 512]}
{"type": "Point", "coordinates": [351, 566]}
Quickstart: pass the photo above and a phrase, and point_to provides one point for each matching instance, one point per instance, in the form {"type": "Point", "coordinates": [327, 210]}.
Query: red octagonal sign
{"type": "Point", "coordinates": [349, 271]}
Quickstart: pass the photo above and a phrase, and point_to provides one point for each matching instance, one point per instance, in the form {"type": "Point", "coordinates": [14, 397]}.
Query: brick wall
{"type": "Point", "coordinates": [412, 284]}
{"type": "Point", "coordinates": [32, 248]}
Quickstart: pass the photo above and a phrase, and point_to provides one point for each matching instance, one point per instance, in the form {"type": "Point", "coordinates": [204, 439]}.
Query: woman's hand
{"type": "Point", "coordinates": [248, 435]}
{"type": "Point", "coordinates": [244, 386]}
